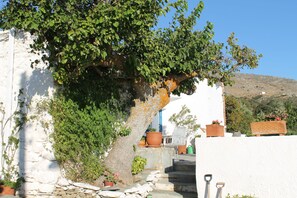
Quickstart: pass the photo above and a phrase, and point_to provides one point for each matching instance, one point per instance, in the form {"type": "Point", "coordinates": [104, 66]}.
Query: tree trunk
{"type": "Point", "coordinates": [121, 156]}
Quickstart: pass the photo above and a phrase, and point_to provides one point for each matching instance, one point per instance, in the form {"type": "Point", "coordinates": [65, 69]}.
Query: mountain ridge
{"type": "Point", "coordinates": [252, 85]}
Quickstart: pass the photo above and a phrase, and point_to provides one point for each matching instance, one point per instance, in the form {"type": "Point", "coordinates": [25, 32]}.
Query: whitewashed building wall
{"type": "Point", "coordinates": [35, 157]}
{"type": "Point", "coordinates": [262, 167]}
{"type": "Point", "coordinates": [207, 104]}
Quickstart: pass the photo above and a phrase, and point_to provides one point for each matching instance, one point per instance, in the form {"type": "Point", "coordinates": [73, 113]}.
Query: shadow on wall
{"type": "Point", "coordinates": [38, 85]}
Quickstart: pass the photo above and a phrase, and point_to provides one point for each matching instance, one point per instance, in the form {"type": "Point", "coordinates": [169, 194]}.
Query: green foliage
{"type": "Point", "coordinates": [240, 112]}
{"type": "Point", "coordinates": [93, 40]}
{"type": "Point", "coordinates": [82, 136]}
{"type": "Point", "coordinates": [184, 119]}
{"type": "Point", "coordinates": [150, 129]}
{"type": "Point", "coordinates": [88, 117]}
{"type": "Point", "coordinates": [239, 196]}
{"type": "Point", "coordinates": [271, 108]}
{"type": "Point", "coordinates": [10, 142]}
{"type": "Point", "coordinates": [291, 108]}
{"type": "Point", "coordinates": [238, 115]}
{"type": "Point", "coordinates": [111, 177]}
{"type": "Point", "coordinates": [120, 38]}
{"type": "Point", "coordinates": [138, 164]}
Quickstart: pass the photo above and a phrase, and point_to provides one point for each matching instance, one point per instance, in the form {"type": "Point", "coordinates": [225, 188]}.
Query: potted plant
{"type": "Point", "coordinates": [184, 120]}
{"type": "Point", "coordinates": [8, 186]}
{"type": "Point", "coordinates": [215, 129]}
{"type": "Point", "coordinates": [142, 142]}
{"type": "Point", "coordinates": [10, 179]}
{"type": "Point", "coordinates": [110, 178]}
{"type": "Point", "coordinates": [153, 137]}
{"type": "Point", "coordinates": [272, 123]}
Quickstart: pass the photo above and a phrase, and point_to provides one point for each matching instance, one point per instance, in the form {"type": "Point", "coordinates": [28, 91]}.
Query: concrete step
{"type": "Point", "coordinates": [184, 165]}
{"type": "Point", "coordinates": [163, 184]}
{"type": "Point", "coordinates": [188, 157]}
{"type": "Point", "coordinates": [180, 176]}
{"type": "Point", "coordinates": [169, 194]}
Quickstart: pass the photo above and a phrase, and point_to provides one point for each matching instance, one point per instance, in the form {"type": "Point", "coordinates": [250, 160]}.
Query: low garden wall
{"type": "Point", "coordinates": [257, 166]}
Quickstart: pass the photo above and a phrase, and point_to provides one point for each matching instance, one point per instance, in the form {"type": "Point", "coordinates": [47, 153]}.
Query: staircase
{"type": "Point", "coordinates": [180, 182]}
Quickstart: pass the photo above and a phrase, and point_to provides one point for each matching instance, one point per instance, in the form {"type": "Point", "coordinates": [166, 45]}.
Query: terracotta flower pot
{"type": "Point", "coordinates": [154, 139]}
{"type": "Point", "coordinates": [269, 128]}
{"type": "Point", "coordinates": [214, 130]}
{"type": "Point", "coordinates": [141, 143]}
{"type": "Point", "coordinates": [108, 183]}
{"type": "Point", "coordinates": [6, 190]}
{"type": "Point", "coordinates": [181, 149]}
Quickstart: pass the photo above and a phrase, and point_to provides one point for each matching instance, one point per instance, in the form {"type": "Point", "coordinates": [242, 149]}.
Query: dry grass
{"type": "Point", "coordinates": [250, 85]}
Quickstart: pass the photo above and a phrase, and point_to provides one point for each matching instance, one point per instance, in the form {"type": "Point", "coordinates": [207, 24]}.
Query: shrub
{"type": "Point", "coordinates": [239, 115]}
{"type": "Point", "coordinates": [88, 116]}
{"type": "Point", "coordinates": [138, 164]}
{"type": "Point", "coordinates": [82, 136]}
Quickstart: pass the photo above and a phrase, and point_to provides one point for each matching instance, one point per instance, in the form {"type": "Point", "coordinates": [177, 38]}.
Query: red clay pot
{"type": "Point", "coordinates": [214, 130]}
{"type": "Point", "coordinates": [154, 139]}
{"type": "Point", "coordinates": [182, 149]}
{"type": "Point", "coordinates": [108, 183]}
{"type": "Point", "coordinates": [6, 190]}
{"type": "Point", "coordinates": [269, 128]}
{"type": "Point", "coordinates": [141, 143]}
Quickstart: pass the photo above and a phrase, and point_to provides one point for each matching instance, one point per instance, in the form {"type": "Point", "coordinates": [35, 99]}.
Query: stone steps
{"type": "Point", "coordinates": [180, 182]}
{"type": "Point", "coordinates": [184, 165]}
{"type": "Point", "coordinates": [170, 194]}
{"type": "Point", "coordinates": [163, 184]}
{"type": "Point", "coordinates": [180, 176]}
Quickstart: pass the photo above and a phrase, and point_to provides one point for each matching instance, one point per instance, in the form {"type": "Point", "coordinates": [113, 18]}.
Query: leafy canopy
{"type": "Point", "coordinates": [119, 38]}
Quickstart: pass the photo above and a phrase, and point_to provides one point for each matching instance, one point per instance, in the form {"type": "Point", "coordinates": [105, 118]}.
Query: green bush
{"type": "Point", "coordinates": [239, 115]}
{"type": "Point", "coordinates": [138, 164]}
{"type": "Point", "coordinates": [88, 117]}
{"type": "Point", "coordinates": [240, 112]}
{"type": "Point", "coordinates": [81, 137]}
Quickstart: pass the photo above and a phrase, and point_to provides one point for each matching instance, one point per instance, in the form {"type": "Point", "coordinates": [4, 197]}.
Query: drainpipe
{"type": "Point", "coordinates": [11, 70]}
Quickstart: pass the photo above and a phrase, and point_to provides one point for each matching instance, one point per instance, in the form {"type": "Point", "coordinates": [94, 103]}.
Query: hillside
{"type": "Point", "coordinates": [250, 85]}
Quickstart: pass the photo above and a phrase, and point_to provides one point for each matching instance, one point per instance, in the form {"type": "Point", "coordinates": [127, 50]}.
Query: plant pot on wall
{"type": "Point", "coordinates": [214, 130]}
{"type": "Point", "coordinates": [6, 190]}
{"type": "Point", "coordinates": [154, 139]}
{"type": "Point", "coordinates": [269, 128]}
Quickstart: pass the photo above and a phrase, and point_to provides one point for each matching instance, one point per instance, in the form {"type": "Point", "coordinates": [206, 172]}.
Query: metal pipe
{"type": "Point", "coordinates": [11, 70]}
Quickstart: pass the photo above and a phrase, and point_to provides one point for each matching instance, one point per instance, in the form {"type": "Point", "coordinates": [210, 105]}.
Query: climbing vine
{"type": "Point", "coordinates": [10, 142]}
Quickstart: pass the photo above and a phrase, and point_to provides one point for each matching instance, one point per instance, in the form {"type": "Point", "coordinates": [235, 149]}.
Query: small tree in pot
{"type": "Point", "coordinates": [185, 120]}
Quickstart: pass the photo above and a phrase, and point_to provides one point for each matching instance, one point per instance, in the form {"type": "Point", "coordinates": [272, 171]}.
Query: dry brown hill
{"type": "Point", "coordinates": [250, 85]}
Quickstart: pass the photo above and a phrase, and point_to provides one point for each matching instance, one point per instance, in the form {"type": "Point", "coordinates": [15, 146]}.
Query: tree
{"type": "Point", "coordinates": [119, 39]}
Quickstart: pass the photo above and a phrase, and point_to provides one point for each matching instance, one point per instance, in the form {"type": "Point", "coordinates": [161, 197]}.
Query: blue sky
{"type": "Point", "coordinates": [268, 26]}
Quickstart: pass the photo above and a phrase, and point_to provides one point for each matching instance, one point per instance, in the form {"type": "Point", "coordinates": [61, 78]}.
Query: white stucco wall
{"type": "Point", "coordinates": [35, 157]}
{"type": "Point", "coordinates": [265, 167]}
{"type": "Point", "coordinates": [207, 104]}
